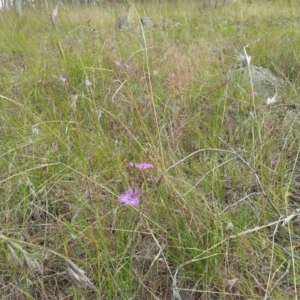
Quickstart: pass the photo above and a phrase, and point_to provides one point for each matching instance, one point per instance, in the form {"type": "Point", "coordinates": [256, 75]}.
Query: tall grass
{"type": "Point", "coordinates": [225, 179]}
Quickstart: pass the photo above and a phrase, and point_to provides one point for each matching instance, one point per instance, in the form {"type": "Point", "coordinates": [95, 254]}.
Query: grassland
{"type": "Point", "coordinates": [217, 215]}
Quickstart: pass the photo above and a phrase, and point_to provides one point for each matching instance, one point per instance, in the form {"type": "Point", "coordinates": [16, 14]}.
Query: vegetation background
{"type": "Point", "coordinates": [80, 100]}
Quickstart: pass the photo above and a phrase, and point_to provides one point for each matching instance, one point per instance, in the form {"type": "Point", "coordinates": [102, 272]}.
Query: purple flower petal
{"type": "Point", "coordinates": [141, 166]}
{"type": "Point", "coordinates": [131, 197]}
{"type": "Point", "coordinates": [118, 63]}
{"type": "Point", "coordinates": [254, 94]}
{"type": "Point", "coordinates": [62, 78]}
{"type": "Point", "coordinates": [87, 82]}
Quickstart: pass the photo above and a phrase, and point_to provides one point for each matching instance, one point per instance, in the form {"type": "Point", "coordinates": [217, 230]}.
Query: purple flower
{"type": "Point", "coordinates": [141, 166]}
{"type": "Point", "coordinates": [131, 197]}
{"type": "Point", "coordinates": [62, 78]}
{"type": "Point", "coordinates": [254, 94]}
{"type": "Point", "coordinates": [118, 63]}
{"type": "Point", "coordinates": [87, 82]}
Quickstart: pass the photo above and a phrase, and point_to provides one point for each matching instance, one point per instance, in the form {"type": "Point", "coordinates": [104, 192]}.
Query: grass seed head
{"type": "Point", "coordinates": [77, 276]}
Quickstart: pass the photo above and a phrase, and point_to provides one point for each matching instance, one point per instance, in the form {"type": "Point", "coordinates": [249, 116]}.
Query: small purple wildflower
{"type": "Point", "coordinates": [87, 82]}
{"type": "Point", "coordinates": [254, 94]}
{"type": "Point", "coordinates": [118, 63]}
{"type": "Point", "coordinates": [131, 197]}
{"type": "Point", "coordinates": [141, 166]}
{"type": "Point", "coordinates": [62, 78]}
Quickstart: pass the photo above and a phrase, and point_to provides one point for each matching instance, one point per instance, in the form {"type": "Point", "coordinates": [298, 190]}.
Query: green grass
{"type": "Point", "coordinates": [222, 172]}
